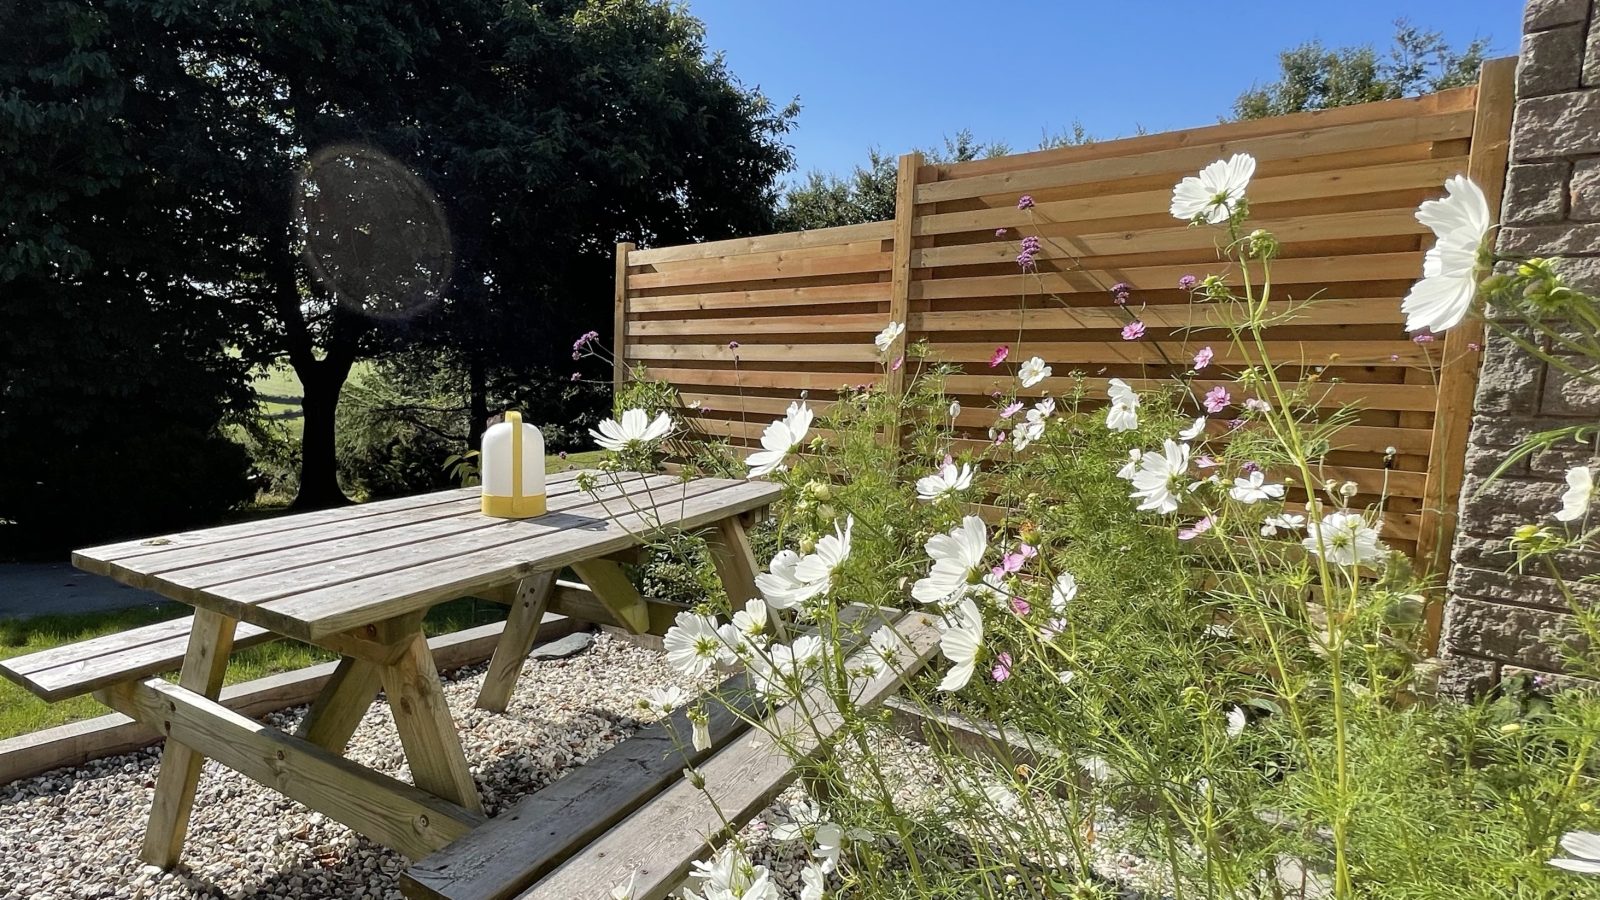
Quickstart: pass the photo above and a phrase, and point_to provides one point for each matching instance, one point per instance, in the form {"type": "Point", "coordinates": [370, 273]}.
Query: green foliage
{"type": "Point", "coordinates": [867, 194]}
{"type": "Point", "coordinates": [1318, 77]}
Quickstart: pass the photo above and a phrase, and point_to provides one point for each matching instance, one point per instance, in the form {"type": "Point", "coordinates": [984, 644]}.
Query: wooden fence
{"type": "Point", "coordinates": [1338, 188]}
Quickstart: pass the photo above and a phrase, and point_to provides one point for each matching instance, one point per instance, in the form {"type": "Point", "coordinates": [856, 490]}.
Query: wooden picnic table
{"type": "Point", "coordinates": [357, 581]}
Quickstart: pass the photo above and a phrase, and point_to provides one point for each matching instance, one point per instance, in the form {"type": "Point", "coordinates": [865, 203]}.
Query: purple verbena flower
{"type": "Point", "coordinates": [1187, 283]}
{"type": "Point", "coordinates": [1025, 201]}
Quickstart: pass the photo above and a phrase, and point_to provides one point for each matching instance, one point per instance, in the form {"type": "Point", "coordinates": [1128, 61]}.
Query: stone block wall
{"type": "Point", "coordinates": [1498, 621]}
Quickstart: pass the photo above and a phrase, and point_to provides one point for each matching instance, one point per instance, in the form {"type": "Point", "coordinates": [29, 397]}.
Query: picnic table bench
{"type": "Point", "coordinates": [357, 581]}
{"type": "Point", "coordinates": [631, 814]}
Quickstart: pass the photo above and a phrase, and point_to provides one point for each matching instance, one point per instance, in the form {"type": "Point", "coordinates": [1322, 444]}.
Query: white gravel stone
{"type": "Point", "coordinates": [76, 833]}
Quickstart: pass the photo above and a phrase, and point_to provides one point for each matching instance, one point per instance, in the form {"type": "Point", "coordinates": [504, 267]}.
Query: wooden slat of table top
{"type": "Point", "coordinates": [327, 548]}
{"type": "Point", "coordinates": [362, 556]}
{"type": "Point", "coordinates": [244, 548]}
{"type": "Point", "coordinates": [351, 603]}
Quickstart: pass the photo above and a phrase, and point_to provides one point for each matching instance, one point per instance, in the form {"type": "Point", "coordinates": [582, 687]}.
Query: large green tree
{"type": "Point", "coordinates": [355, 176]}
{"type": "Point", "coordinates": [114, 373]}
{"type": "Point", "coordinates": [1314, 76]}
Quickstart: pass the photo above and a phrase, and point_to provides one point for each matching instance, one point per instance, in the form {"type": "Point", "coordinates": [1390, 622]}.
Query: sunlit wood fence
{"type": "Point", "coordinates": [742, 327]}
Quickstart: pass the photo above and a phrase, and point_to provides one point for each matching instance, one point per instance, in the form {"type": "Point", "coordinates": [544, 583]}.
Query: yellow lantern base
{"type": "Point", "coordinates": [514, 507]}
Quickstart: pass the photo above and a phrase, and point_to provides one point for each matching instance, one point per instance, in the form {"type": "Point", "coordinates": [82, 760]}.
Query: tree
{"type": "Point", "coordinates": [867, 194]}
{"type": "Point", "coordinates": [1314, 76]}
{"type": "Point", "coordinates": [373, 174]}
{"type": "Point", "coordinates": [114, 375]}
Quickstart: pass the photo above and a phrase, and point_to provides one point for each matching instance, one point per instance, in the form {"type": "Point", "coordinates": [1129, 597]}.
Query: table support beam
{"type": "Point", "coordinates": [385, 809]}
{"type": "Point", "coordinates": [735, 562]}
{"type": "Point", "coordinates": [612, 588]}
{"type": "Point", "coordinates": [341, 704]}
{"type": "Point", "coordinates": [204, 664]}
{"type": "Point", "coordinates": [522, 628]}
{"type": "Point", "coordinates": [421, 715]}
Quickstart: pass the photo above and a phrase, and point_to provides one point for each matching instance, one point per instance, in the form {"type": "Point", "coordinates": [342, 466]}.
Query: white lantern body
{"type": "Point", "coordinates": [512, 470]}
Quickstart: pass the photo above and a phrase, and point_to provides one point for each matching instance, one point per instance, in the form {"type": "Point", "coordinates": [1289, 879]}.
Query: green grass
{"type": "Point", "coordinates": [585, 460]}
{"type": "Point", "coordinates": [22, 712]}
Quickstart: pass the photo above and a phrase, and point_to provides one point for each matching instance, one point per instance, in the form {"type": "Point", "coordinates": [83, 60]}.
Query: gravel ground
{"type": "Point", "coordinates": [76, 833]}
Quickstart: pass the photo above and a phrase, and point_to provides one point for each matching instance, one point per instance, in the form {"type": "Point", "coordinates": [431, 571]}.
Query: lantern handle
{"type": "Point", "coordinates": [514, 419]}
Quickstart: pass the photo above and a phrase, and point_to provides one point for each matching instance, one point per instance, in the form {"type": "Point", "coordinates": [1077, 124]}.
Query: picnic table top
{"type": "Point", "coordinates": [315, 574]}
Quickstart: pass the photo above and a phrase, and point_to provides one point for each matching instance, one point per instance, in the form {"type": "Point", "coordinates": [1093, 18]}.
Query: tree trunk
{"type": "Point", "coordinates": [319, 466]}
{"type": "Point", "coordinates": [478, 407]}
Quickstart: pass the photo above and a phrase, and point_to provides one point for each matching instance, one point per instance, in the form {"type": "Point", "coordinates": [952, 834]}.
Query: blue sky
{"type": "Point", "coordinates": [899, 74]}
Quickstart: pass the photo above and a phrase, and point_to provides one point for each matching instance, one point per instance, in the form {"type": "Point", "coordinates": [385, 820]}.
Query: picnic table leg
{"type": "Point", "coordinates": [522, 627]}
{"type": "Point", "coordinates": [204, 664]}
{"type": "Point", "coordinates": [612, 588]}
{"type": "Point", "coordinates": [340, 705]}
{"type": "Point", "coordinates": [735, 561]}
{"type": "Point", "coordinates": [427, 730]}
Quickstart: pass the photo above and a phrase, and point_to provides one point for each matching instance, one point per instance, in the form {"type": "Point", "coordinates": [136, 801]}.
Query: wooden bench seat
{"type": "Point", "coordinates": [86, 666]}
{"type": "Point", "coordinates": [631, 811]}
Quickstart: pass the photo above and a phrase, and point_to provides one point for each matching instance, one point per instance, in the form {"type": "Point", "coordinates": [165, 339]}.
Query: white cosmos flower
{"type": "Point", "coordinates": [1063, 592]}
{"type": "Point", "coordinates": [780, 439]}
{"type": "Point", "coordinates": [1254, 488]}
{"type": "Point", "coordinates": [1214, 194]}
{"type": "Point", "coordinates": [1283, 522]}
{"type": "Point", "coordinates": [1345, 538]}
{"type": "Point", "coordinates": [701, 739]}
{"type": "Point", "coordinates": [1585, 849]}
{"type": "Point", "coordinates": [782, 663]}
{"type": "Point", "coordinates": [1459, 221]}
{"type": "Point", "coordinates": [1193, 431]}
{"type": "Point", "coordinates": [751, 622]}
{"type": "Point", "coordinates": [1121, 417]}
{"type": "Point", "coordinates": [885, 645]}
{"type": "Point", "coordinates": [1032, 372]}
{"type": "Point", "coordinates": [665, 699]}
{"type": "Point", "coordinates": [813, 881]}
{"type": "Point", "coordinates": [1028, 430]}
{"type": "Point", "coordinates": [1131, 466]}
{"type": "Point", "coordinates": [948, 480]}
{"type": "Point", "coordinates": [802, 816]}
{"type": "Point", "coordinates": [778, 584]}
{"type": "Point", "coordinates": [1237, 720]}
{"type": "Point", "coordinates": [957, 556]}
{"type": "Point", "coordinates": [635, 428]}
{"type": "Point", "coordinates": [962, 638]}
{"type": "Point", "coordinates": [889, 335]}
{"type": "Point", "coordinates": [816, 569]}
{"type": "Point", "coordinates": [1580, 489]}
{"type": "Point", "coordinates": [693, 644]}
{"type": "Point", "coordinates": [730, 876]}
{"type": "Point", "coordinates": [1160, 477]}
{"type": "Point", "coordinates": [1119, 392]}
{"type": "Point", "coordinates": [955, 408]}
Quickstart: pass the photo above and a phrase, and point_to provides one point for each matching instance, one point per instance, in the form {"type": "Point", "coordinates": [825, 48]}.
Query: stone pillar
{"type": "Point", "coordinates": [1498, 621]}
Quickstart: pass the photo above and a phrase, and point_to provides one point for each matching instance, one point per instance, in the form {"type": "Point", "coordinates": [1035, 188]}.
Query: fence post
{"type": "Point", "coordinates": [905, 215]}
{"type": "Point", "coordinates": [1458, 373]}
{"type": "Point", "coordinates": [619, 334]}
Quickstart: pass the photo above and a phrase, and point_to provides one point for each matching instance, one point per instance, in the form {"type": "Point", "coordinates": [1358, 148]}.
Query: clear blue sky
{"type": "Point", "coordinates": [899, 74]}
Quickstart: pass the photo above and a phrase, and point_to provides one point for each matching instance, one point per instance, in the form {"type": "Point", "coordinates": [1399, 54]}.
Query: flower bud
{"type": "Point", "coordinates": [1510, 728]}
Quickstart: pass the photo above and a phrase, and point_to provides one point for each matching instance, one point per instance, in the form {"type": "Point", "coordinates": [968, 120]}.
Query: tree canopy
{"type": "Point", "coordinates": [1314, 76]}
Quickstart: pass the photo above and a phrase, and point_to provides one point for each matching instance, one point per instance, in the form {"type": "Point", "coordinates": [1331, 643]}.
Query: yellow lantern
{"type": "Point", "coordinates": [513, 470]}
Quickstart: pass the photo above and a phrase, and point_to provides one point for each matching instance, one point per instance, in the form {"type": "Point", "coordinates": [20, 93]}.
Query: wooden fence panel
{"type": "Point", "coordinates": [743, 327]}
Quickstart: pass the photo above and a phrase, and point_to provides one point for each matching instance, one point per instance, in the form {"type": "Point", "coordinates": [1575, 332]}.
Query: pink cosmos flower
{"type": "Point", "coordinates": [1204, 462]}
{"type": "Point", "coordinates": [1203, 358]}
{"type": "Point", "coordinates": [1025, 201]}
{"type": "Point", "coordinates": [1001, 232]}
{"type": "Point", "coordinates": [1012, 562]}
{"type": "Point", "coordinates": [1190, 532]}
{"type": "Point", "coordinates": [1053, 628]}
{"type": "Point", "coordinates": [1474, 346]}
{"type": "Point", "coordinates": [1133, 330]}
{"type": "Point", "coordinates": [1217, 399]}
{"type": "Point", "coordinates": [999, 438]}
{"type": "Point", "coordinates": [1028, 551]}
{"type": "Point", "coordinates": [1002, 667]}
{"type": "Point", "coordinates": [1256, 404]}
{"type": "Point", "coordinates": [898, 362]}
{"type": "Point", "coordinates": [1011, 410]}
{"type": "Point", "coordinates": [1020, 606]}
{"type": "Point", "coordinates": [999, 356]}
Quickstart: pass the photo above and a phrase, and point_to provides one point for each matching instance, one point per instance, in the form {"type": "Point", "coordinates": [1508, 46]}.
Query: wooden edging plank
{"type": "Point", "coordinates": [76, 743]}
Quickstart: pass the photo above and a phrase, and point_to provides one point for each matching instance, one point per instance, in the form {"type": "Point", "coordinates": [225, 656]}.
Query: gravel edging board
{"type": "Point", "coordinates": [76, 743]}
